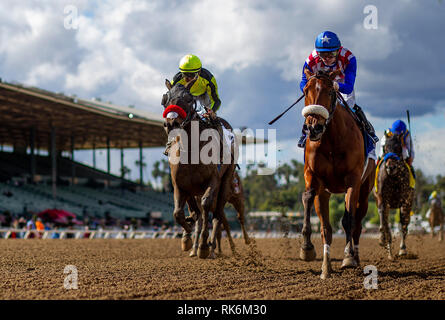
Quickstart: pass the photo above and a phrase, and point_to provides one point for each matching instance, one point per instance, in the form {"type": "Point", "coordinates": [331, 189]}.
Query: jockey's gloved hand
{"type": "Point", "coordinates": [210, 114]}
{"type": "Point", "coordinates": [336, 86]}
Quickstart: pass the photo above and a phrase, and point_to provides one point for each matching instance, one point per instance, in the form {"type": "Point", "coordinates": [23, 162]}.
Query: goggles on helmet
{"type": "Point", "coordinates": [328, 54]}
{"type": "Point", "coordinates": [189, 75]}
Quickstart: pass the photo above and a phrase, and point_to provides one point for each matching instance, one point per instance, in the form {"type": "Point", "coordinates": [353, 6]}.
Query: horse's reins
{"type": "Point", "coordinates": [190, 115]}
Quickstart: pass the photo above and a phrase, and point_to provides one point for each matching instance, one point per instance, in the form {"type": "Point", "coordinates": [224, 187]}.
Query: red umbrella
{"type": "Point", "coordinates": [58, 216]}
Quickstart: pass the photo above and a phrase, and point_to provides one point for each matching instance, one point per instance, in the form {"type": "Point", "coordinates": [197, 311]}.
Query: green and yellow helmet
{"type": "Point", "coordinates": [190, 64]}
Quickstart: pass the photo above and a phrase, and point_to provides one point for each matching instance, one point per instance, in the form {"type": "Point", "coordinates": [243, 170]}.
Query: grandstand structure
{"type": "Point", "coordinates": [43, 129]}
{"type": "Point", "coordinates": [33, 120]}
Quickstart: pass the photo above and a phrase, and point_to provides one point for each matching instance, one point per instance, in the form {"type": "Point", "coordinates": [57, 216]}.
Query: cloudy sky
{"type": "Point", "coordinates": [121, 51]}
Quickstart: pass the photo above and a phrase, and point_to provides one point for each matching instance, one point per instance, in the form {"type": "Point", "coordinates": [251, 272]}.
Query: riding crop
{"type": "Point", "coordinates": [286, 110]}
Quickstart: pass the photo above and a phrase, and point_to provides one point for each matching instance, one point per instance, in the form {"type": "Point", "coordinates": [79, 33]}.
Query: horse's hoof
{"type": "Point", "coordinates": [403, 252]}
{"type": "Point", "coordinates": [326, 270]}
{"type": "Point", "coordinates": [192, 253]}
{"type": "Point", "coordinates": [390, 258]}
{"type": "Point", "coordinates": [186, 244]}
{"type": "Point", "coordinates": [212, 255]}
{"type": "Point", "coordinates": [382, 240]}
{"type": "Point", "coordinates": [349, 262]}
{"type": "Point", "coordinates": [203, 253]}
{"type": "Point", "coordinates": [307, 255]}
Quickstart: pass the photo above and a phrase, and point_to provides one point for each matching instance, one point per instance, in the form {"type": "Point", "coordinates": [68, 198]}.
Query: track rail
{"type": "Point", "coordinates": [142, 234]}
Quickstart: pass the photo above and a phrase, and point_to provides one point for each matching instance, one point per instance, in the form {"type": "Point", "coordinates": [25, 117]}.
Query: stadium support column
{"type": "Point", "coordinates": [54, 161]}
{"type": "Point", "coordinates": [108, 162]}
{"type": "Point", "coordinates": [73, 165]}
{"type": "Point", "coordinates": [32, 144]}
{"type": "Point", "coordinates": [141, 167]}
{"type": "Point", "coordinates": [122, 164]}
{"type": "Point", "coordinates": [94, 155]}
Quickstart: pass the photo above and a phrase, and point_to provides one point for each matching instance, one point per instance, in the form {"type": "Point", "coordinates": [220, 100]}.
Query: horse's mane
{"type": "Point", "coordinates": [322, 73]}
{"type": "Point", "coordinates": [394, 144]}
{"type": "Point", "coordinates": [180, 89]}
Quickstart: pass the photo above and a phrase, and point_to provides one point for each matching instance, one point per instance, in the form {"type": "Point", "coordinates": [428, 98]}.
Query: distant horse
{"type": "Point", "coordinates": [210, 183]}
{"type": "Point", "coordinates": [393, 191]}
{"type": "Point", "coordinates": [436, 217]}
{"type": "Point", "coordinates": [334, 163]}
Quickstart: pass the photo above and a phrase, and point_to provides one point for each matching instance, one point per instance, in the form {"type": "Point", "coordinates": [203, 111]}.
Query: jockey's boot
{"type": "Point", "coordinates": [302, 141]}
{"type": "Point", "coordinates": [167, 147]}
{"type": "Point", "coordinates": [412, 171]}
{"type": "Point", "coordinates": [368, 126]}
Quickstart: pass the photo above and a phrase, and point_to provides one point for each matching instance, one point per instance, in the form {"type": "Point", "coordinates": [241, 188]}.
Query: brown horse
{"type": "Point", "coordinates": [393, 191]}
{"type": "Point", "coordinates": [192, 179]}
{"type": "Point", "coordinates": [334, 163]}
{"type": "Point", "coordinates": [436, 217]}
{"type": "Point", "coordinates": [236, 198]}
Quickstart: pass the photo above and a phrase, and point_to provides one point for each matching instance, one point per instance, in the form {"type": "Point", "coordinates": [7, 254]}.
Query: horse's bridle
{"type": "Point", "coordinates": [190, 115]}
{"type": "Point", "coordinates": [331, 111]}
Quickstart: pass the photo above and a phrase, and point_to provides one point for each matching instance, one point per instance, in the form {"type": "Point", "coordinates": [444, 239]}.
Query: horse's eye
{"type": "Point", "coordinates": [318, 127]}
{"type": "Point", "coordinates": [305, 127]}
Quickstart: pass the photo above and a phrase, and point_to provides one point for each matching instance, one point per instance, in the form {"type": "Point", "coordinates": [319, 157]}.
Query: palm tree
{"type": "Point", "coordinates": [140, 164]}
{"type": "Point", "coordinates": [124, 171]}
{"type": "Point", "coordinates": [163, 174]}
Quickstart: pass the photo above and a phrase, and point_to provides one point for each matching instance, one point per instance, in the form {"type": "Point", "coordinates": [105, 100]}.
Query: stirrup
{"type": "Point", "coordinates": [373, 137]}
{"type": "Point", "coordinates": [302, 142]}
{"type": "Point", "coordinates": [167, 147]}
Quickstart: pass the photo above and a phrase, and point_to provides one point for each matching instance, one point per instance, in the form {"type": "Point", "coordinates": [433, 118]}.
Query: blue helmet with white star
{"type": "Point", "coordinates": [327, 41]}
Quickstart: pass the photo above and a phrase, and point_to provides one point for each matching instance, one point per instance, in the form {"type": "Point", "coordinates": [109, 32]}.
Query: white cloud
{"type": "Point", "coordinates": [123, 51]}
{"type": "Point", "coordinates": [430, 152]}
{"type": "Point", "coordinates": [45, 72]}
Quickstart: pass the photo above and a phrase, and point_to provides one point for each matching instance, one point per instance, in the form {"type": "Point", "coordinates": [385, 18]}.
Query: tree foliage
{"type": "Point", "coordinates": [283, 191]}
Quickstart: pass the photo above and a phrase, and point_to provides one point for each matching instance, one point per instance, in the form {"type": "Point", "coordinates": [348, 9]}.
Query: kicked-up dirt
{"type": "Point", "coordinates": [266, 269]}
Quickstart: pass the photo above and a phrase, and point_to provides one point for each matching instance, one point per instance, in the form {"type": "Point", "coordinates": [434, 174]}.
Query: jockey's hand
{"type": "Point", "coordinates": [210, 114]}
{"type": "Point", "coordinates": [410, 161]}
{"type": "Point", "coordinates": [336, 86]}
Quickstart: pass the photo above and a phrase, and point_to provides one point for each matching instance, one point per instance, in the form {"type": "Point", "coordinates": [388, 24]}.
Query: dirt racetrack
{"type": "Point", "coordinates": [158, 269]}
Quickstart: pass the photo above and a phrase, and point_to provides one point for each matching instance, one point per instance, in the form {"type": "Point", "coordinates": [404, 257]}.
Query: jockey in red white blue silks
{"type": "Point", "coordinates": [329, 55]}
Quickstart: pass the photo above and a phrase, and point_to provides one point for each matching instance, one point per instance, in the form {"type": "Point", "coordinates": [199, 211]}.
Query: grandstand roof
{"type": "Point", "coordinates": [89, 122]}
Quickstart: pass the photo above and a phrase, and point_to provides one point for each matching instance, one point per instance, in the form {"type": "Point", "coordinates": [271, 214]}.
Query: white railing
{"type": "Point", "coordinates": [146, 234]}
{"type": "Point", "coordinates": [88, 234]}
